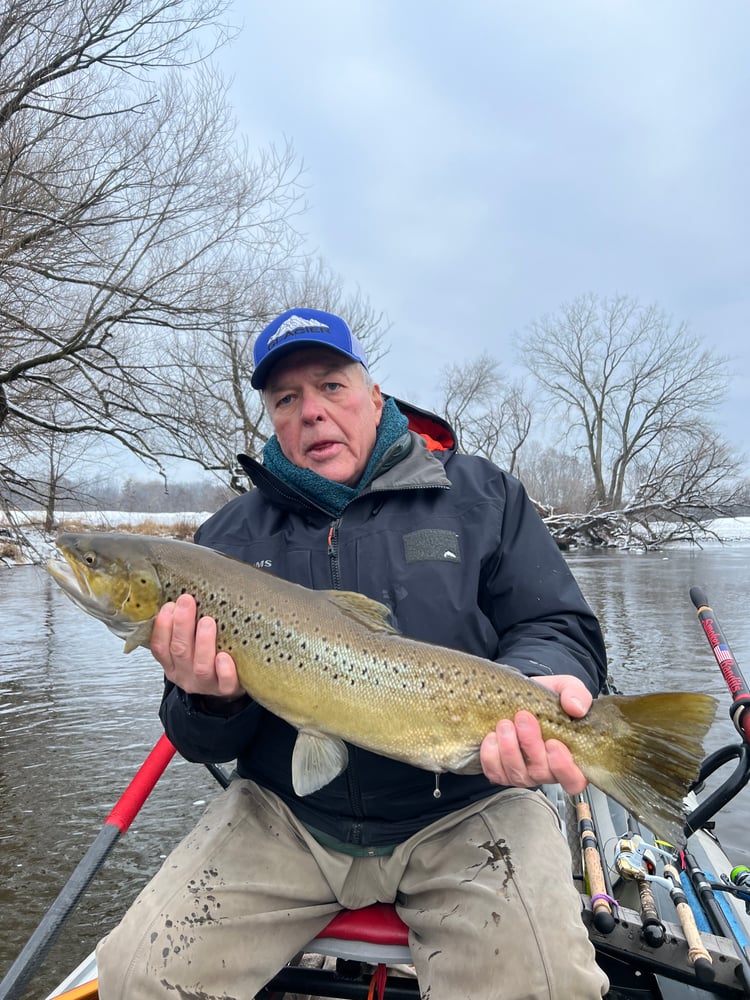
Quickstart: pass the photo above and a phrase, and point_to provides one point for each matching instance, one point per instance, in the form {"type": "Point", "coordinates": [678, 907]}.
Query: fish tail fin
{"type": "Point", "coordinates": [654, 749]}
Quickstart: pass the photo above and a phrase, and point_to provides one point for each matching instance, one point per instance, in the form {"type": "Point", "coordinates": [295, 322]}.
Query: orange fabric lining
{"type": "Point", "coordinates": [438, 438]}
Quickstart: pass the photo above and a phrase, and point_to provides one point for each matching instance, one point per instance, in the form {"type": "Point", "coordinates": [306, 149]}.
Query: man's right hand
{"type": "Point", "coordinates": [186, 650]}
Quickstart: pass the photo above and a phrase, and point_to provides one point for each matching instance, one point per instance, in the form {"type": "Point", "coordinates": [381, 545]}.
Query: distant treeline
{"type": "Point", "coordinates": [151, 495]}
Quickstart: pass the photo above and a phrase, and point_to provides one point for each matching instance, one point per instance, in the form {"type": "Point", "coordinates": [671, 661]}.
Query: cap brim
{"type": "Point", "coordinates": [260, 375]}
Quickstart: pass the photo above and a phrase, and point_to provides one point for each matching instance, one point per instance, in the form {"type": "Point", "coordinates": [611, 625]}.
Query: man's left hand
{"type": "Point", "coordinates": [515, 753]}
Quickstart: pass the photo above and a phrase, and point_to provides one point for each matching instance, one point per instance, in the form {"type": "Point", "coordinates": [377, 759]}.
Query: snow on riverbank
{"type": "Point", "coordinates": [730, 529]}
{"type": "Point", "coordinates": [101, 519]}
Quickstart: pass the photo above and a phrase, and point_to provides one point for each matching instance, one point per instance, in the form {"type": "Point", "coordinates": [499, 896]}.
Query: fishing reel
{"type": "Point", "coordinates": [636, 859]}
{"type": "Point", "coordinates": [738, 883]}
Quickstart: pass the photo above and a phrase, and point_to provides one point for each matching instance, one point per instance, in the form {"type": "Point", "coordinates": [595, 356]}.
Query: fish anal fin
{"type": "Point", "coordinates": [372, 614]}
{"type": "Point", "coordinates": [316, 760]}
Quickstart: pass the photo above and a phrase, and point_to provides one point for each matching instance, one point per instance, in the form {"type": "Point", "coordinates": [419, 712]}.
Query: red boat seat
{"type": "Point", "coordinates": [377, 924]}
{"type": "Point", "coordinates": [374, 934]}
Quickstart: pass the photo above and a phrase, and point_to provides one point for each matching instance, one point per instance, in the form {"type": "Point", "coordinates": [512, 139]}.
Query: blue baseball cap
{"type": "Point", "coordinates": [302, 328]}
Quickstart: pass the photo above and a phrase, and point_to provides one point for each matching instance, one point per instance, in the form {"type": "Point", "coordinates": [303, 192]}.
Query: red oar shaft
{"type": "Point", "coordinates": [142, 785]}
{"type": "Point", "coordinates": [115, 825]}
{"type": "Point", "coordinates": [738, 686]}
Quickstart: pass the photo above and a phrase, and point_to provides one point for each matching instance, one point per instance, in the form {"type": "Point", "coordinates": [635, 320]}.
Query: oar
{"type": "Point", "coordinates": [115, 825]}
{"type": "Point", "coordinates": [738, 686]}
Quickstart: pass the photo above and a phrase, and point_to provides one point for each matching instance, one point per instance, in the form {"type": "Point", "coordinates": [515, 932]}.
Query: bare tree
{"type": "Point", "coordinates": [516, 412]}
{"type": "Point", "coordinates": [61, 455]}
{"type": "Point", "coordinates": [557, 482]}
{"type": "Point", "coordinates": [635, 391]}
{"type": "Point", "coordinates": [490, 417]}
{"type": "Point", "coordinates": [743, 499]}
{"type": "Point", "coordinates": [129, 213]}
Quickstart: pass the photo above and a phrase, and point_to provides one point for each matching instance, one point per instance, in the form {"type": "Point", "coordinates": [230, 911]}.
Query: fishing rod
{"type": "Point", "coordinates": [116, 824]}
{"type": "Point", "coordinates": [601, 900]}
{"type": "Point", "coordinates": [740, 691]}
{"type": "Point", "coordinates": [636, 860]}
{"type": "Point", "coordinates": [738, 686]}
{"type": "Point", "coordinates": [717, 915]}
{"type": "Point", "coordinates": [698, 956]}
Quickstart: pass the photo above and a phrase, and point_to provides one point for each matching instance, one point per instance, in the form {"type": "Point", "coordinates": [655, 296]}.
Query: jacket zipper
{"type": "Point", "coordinates": [333, 555]}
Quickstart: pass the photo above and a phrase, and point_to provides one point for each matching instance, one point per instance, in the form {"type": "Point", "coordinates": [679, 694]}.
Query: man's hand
{"type": "Point", "coordinates": [515, 754]}
{"type": "Point", "coordinates": [187, 653]}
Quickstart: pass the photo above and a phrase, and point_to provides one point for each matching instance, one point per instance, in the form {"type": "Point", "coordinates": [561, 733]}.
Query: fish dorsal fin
{"type": "Point", "coordinates": [316, 760]}
{"type": "Point", "coordinates": [372, 614]}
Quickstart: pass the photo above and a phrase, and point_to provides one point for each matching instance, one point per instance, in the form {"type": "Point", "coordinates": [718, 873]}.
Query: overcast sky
{"type": "Point", "coordinates": [471, 167]}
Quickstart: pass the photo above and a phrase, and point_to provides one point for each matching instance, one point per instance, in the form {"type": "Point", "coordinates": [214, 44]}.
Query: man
{"type": "Point", "coordinates": [361, 493]}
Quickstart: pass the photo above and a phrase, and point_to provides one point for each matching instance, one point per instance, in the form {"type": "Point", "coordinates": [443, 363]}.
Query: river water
{"type": "Point", "coordinates": [77, 718]}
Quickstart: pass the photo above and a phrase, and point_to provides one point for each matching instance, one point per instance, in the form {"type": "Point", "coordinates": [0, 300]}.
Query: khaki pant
{"type": "Point", "coordinates": [486, 893]}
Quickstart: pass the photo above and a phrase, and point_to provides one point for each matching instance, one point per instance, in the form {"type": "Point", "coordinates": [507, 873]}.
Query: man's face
{"type": "Point", "coordinates": [324, 413]}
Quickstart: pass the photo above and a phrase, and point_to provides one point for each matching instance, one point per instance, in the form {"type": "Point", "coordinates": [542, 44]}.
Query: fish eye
{"type": "Point", "coordinates": [89, 558]}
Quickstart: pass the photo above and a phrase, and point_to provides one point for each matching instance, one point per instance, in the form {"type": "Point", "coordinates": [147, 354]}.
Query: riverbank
{"type": "Point", "coordinates": [24, 541]}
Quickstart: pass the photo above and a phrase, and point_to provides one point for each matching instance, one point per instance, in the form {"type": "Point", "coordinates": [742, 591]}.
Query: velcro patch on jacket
{"type": "Point", "coordinates": [431, 544]}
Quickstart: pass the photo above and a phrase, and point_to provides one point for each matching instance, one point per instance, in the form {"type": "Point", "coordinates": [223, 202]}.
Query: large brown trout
{"type": "Point", "coordinates": [329, 663]}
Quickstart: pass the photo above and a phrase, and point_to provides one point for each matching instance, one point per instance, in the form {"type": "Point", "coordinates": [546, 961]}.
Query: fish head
{"type": "Point", "coordinates": [111, 577]}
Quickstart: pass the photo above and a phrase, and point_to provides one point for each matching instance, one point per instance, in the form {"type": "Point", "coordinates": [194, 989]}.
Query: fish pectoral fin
{"type": "Point", "coordinates": [365, 611]}
{"type": "Point", "coordinates": [468, 764]}
{"type": "Point", "coordinates": [316, 760]}
{"type": "Point", "coordinates": [140, 636]}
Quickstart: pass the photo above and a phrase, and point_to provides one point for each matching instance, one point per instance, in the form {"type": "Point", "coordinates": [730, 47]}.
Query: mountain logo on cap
{"type": "Point", "coordinates": [293, 326]}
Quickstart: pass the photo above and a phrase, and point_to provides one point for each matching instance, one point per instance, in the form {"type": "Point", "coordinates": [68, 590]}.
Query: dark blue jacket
{"type": "Point", "coordinates": [455, 548]}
